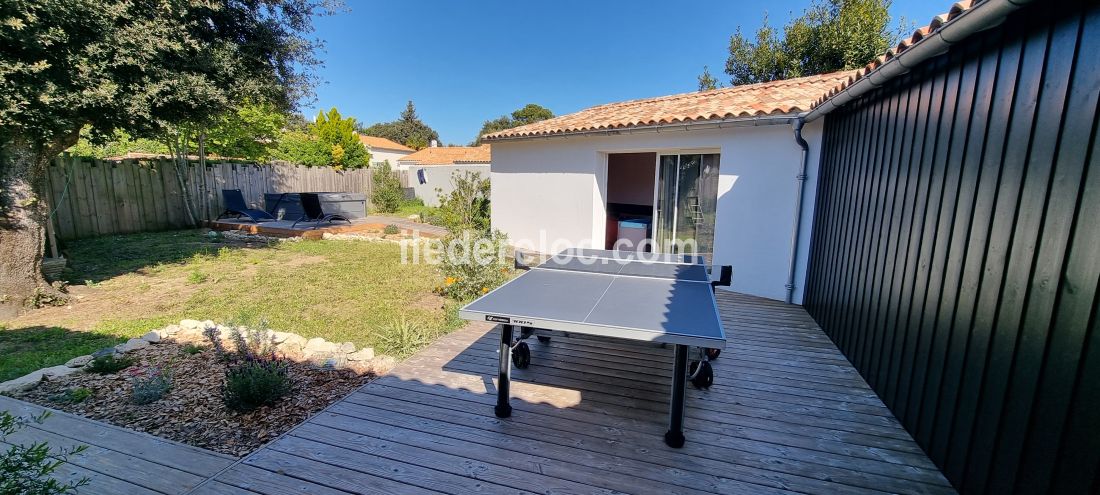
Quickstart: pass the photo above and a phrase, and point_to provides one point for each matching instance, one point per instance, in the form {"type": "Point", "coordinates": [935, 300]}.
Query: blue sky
{"type": "Point", "coordinates": [466, 62]}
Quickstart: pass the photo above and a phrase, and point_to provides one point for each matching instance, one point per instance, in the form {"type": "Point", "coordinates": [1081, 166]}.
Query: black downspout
{"type": "Point", "coordinates": [801, 177]}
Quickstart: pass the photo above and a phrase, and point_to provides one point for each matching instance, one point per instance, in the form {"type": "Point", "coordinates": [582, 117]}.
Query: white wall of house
{"type": "Point", "coordinates": [439, 177]}
{"type": "Point", "coordinates": [379, 155]}
{"type": "Point", "coordinates": [544, 190]}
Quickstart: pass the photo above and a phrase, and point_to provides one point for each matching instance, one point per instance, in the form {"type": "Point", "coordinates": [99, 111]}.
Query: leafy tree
{"type": "Point", "coordinates": [117, 144]}
{"type": "Point", "coordinates": [251, 132]}
{"type": "Point", "coordinates": [707, 82]}
{"type": "Point", "coordinates": [386, 194]}
{"type": "Point", "coordinates": [151, 69]}
{"type": "Point", "coordinates": [408, 130]}
{"type": "Point", "coordinates": [529, 114]}
{"type": "Point", "coordinates": [330, 140]}
{"type": "Point", "coordinates": [830, 35]}
{"type": "Point", "coordinates": [466, 206]}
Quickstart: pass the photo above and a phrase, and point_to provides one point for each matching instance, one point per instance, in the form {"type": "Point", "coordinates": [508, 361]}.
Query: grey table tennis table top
{"type": "Point", "coordinates": [664, 298]}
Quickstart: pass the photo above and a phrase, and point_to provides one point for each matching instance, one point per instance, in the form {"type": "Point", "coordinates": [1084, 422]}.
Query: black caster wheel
{"type": "Point", "coordinates": [521, 355]}
{"type": "Point", "coordinates": [713, 354]}
{"type": "Point", "coordinates": [544, 339]}
{"type": "Point", "coordinates": [701, 374]}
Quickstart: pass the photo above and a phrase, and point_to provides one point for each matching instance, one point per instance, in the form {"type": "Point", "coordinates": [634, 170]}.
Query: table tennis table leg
{"type": "Point", "coordinates": [675, 435]}
{"type": "Point", "coordinates": [503, 408]}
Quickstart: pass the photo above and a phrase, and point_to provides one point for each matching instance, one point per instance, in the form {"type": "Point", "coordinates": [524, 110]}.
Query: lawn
{"type": "Point", "coordinates": [124, 286]}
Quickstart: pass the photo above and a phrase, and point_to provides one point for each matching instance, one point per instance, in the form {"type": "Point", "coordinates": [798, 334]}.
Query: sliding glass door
{"type": "Point", "coordinates": [687, 198]}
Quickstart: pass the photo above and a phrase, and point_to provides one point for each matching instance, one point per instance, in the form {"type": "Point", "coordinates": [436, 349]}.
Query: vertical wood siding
{"type": "Point", "coordinates": [956, 252]}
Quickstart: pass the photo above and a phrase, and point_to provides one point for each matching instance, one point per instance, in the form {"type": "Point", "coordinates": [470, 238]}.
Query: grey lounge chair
{"type": "Point", "coordinates": [235, 204]}
{"type": "Point", "coordinates": [312, 211]}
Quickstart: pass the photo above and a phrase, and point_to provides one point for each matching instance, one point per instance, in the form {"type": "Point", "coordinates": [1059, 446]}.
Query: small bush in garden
{"type": "Point", "coordinates": [391, 230]}
{"type": "Point", "coordinates": [253, 383]}
{"type": "Point", "coordinates": [402, 337]}
{"type": "Point", "coordinates": [386, 195]}
{"type": "Point", "coordinates": [191, 349]}
{"type": "Point", "coordinates": [466, 207]}
{"type": "Point", "coordinates": [196, 277]}
{"type": "Point", "coordinates": [473, 264]}
{"type": "Point", "coordinates": [214, 336]}
{"type": "Point", "coordinates": [109, 363]}
{"type": "Point", "coordinates": [253, 343]}
{"type": "Point", "coordinates": [72, 396]}
{"type": "Point", "coordinates": [27, 469]}
{"type": "Point", "coordinates": [150, 387]}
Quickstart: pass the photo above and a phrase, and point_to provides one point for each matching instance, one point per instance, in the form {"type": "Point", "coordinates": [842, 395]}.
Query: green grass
{"type": "Point", "coordinates": [409, 208]}
{"type": "Point", "coordinates": [343, 291]}
{"type": "Point", "coordinates": [28, 349]}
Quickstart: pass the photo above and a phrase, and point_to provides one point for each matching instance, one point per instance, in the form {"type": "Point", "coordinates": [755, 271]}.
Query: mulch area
{"type": "Point", "coordinates": [192, 411]}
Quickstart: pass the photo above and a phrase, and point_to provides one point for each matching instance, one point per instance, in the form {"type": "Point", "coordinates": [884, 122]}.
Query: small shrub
{"type": "Point", "coordinates": [191, 349]}
{"type": "Point", "coordinates": [214, 335]}
{"type": "Point", "coordinates": [403, 337]}
{"type": "Point", "coordinates": [196, 277]}
{"type": "Point", "coordinates": [391, 230]}
{"type": "Point", "coordinates": [386, 195]}
{"type": "Point", "coordinates": [473, 265]}
{"type": "Point", "coordinates": [254, 342]}
{"type": "Point", "coordinates": [466, 207]}
{"type": "Point", "coordinates": [27, 469]}
{"type": "Point", "coordinates": [72, 396]}
{"type": "Point", "coordinates": [151, 387]}
{"type": "Point", "coordinates": [108, 364]}
{"type": "Point", "coordinates": [256, 382]}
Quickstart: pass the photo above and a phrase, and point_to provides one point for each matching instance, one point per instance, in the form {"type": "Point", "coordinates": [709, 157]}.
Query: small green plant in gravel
{"type": "Point", "coordinates": [253, 383]}
{"type": "Point", "coordinates": [72, 396]}
{"type": "Point", "coordinates": [191, 349]}
{"type": "Point", "coordinates": [196, 277]}
{"type": "Point", "coordinates": [109, 363]}
{"type": "Point", "coordinates": [27, 469]}
{"type": "Point", "coordinates": [391, 229]}
{"type": "Point", "coordinates": [150, 385]}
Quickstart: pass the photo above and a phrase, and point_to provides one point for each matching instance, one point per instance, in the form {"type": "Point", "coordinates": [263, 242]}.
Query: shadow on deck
{"type": "Point", "coordinates": [787, 413]}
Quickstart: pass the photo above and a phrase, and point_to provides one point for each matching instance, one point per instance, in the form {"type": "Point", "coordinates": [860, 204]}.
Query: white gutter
{"type": "Point", "coordinates": [985, 15]}
{"type": "Point", "coordinates": [683, 126]}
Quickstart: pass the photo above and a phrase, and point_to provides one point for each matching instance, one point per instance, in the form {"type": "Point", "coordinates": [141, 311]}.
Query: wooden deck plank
{"type": "Point", "coordinates": [787, 413]}
{"type": "Point", "coordinates": [117, 460]}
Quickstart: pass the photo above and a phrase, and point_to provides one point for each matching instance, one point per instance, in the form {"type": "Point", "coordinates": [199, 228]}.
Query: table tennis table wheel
{"type": "Point", "coordinates": [713, 353]}
{"type": "Point", "coordinates": [544, 339]}
{"type": "Point", "coordinates": [521, 355]}
{"type": "Point", "coordinates": [701, 374]}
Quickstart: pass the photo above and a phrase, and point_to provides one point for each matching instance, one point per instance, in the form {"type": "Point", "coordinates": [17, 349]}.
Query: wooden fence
{"type": "Point", "coordinates": [93, 197]}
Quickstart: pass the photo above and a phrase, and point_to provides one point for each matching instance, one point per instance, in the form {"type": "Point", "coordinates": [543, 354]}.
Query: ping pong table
{"type": "Point", "coordinates": [666, 299]}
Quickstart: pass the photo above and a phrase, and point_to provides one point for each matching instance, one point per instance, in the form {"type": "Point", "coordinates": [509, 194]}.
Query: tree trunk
{"type": "Point", "coordinates": [23, 216]}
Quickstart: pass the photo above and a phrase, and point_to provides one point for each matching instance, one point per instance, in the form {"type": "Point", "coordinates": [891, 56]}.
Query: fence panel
{"type": "Point", "coordinates": [91, 197]}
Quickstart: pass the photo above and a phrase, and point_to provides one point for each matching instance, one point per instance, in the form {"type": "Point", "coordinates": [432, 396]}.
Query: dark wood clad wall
{"type": "Point", "coordinates": [956, 252]}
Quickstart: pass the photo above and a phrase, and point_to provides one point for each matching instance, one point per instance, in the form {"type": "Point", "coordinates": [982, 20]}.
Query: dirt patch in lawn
{"type": "Point", "coordinates": [192, 411]}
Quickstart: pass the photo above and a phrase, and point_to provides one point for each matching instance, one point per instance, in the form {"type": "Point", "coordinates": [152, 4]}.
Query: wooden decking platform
{"type": "Point", "coordinates": [287, 228]}
{"type": "Point", "coordinates": [787, 413]}
{"type": "Point", "coordinates": [118, 460]}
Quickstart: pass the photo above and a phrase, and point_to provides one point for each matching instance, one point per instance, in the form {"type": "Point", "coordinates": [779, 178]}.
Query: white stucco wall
{"type": "Point", "coordinates": [378, 155]}
{"type": "Point", "coordinates": [439, 176]}
{"type": "Point", "coordinates": [549, 189]}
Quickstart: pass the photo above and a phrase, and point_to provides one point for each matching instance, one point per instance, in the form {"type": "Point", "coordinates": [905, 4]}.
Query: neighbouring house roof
{"type": "Point", "coordinates": [450, 155]}
{"type": "Point", "coordinates": [372, 142]}
{"type": "Point", "coordinates": [775, 98]}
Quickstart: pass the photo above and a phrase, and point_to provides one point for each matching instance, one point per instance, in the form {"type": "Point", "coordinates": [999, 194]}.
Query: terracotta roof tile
{"type": "Point", "coordinates": [786, 97]}
{"type": "Point", "coordinates": [919, 34]}
{"type": "Point", "coordinates": [450, 155]}
{"type": "Point", "coordinates": [382, 143]}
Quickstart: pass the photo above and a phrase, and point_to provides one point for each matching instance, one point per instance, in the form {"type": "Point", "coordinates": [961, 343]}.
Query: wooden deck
{"type": "Point", "coordinates": [118, 460]}
{"type": "Point", "coordinates": [787, 413]}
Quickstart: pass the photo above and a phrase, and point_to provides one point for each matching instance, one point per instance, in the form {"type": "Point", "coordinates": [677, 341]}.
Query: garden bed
{"type": "Point", "coordinates": [192, 410]}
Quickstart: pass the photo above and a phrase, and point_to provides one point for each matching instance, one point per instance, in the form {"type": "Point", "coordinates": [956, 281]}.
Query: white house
{"type": "Point", "coordinates": [382, 149]}
{"type": "Point", "coordinates": [726, 168]}
{"type": "Point", "coordinates": [430, 170]}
